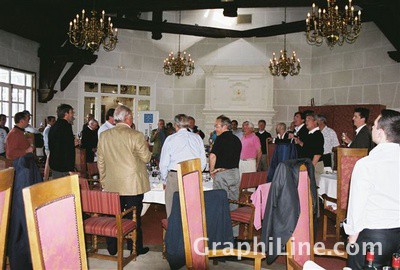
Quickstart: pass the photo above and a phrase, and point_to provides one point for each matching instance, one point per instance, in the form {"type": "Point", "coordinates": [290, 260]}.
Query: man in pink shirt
{"type": "Point", "coordinates": [251, 149]}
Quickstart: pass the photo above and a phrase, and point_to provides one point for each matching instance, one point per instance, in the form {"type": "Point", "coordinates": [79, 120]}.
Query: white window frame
{"type": "Point", "coordinates": [97, 95]}
{"type": "Point", "coordinates": [11, 86]}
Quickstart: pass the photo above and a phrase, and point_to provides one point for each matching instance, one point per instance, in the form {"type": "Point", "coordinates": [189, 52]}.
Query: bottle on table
{"type": "Point", "coordinates": [396, 261]}
{"type": "Point", "coordinates": [370, 260]}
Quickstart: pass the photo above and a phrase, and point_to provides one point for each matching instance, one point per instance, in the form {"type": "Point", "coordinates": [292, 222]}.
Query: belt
{"type": "Point", "coordinates": [247, 159]}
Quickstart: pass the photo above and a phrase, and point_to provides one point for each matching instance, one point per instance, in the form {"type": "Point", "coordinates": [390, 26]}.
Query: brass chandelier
{"type": "Point", "coordinates": [336, 27]}
{"type": "Point", "coordinates": [284, 65]}
{"type": "Point", "coordinates": [182, 64]}
{"type": "Point", "coordinates": [92, 32]}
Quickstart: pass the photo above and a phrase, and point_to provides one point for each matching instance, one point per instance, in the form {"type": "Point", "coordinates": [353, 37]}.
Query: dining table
{"type": "Point", "coordinates": [157, 192]}
{"type": "Point", "coordinates": [327, 184]}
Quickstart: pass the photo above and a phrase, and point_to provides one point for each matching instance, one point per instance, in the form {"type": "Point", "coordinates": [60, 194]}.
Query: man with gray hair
{"type": "Point", "coordinates": [251, 149]}
{"type": "Point", "coordinates": [180, 146]}
{"type": "Point", "coordinates": [281, 135]}
{"type": "Point", "coordinates": [224, 159]}
{"type": "Point", "coordinates": [330, 140]}
{"type": "Point", "coordinates": [122, 157]}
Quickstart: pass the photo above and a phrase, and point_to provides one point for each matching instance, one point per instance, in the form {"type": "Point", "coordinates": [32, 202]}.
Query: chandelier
{"type": "Point", "coordinates": [92, 32]}
{"type": "Point", "coordinates": [284, 65]}
{"type": "Point", "coordinates": [336, 27]}
{"type": "Point", "coordinates": [182, 64]}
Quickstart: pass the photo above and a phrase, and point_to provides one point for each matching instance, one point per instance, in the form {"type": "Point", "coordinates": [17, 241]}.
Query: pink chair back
{"type": "Point", "coordinates": [6, 183]}
{"type": "Point", "coordinates": [55, 226]}
{"type": "Point", "coordinates": [94, 201]}
{"type": "Point", "coordinates": [253, 179]}
{"type": "Point", "coordinates": [59, 236]}
{"type": "Point", "coordinates": [303, 233]}
{"type": "Point", "coordinates": [347, 158]}
{"type": "Point", "coordinates": [191, 199]}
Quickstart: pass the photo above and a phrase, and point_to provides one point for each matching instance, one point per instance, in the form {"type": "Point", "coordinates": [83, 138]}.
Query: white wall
{"type": "Point", "coordinates": [357, 73]}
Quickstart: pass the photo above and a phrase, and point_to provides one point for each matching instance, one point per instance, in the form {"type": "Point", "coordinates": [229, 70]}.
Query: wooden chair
{"type": "Point", "coordinates": [107, 220]}
{"type": "Point", "coordinates": [347, 158]}
{"type": "Point", "coordinates": [297, 252]}
{"type": "Point", "coordinates": [5, 163]}
{"type": "Point", "coordinates": [55, 226]}
{"type": "Point", "coordinates": [270, 152]}
{"type": "Point", "coordinates": [193, 217]}
{"type": "Point", "coordinates": [6, 183]}
{"type": "Point", "coordinates": [80, 160]}
{"type": "Point", "coordinates": [244, 214]}
{"type": "Point", "coordinates": [93, 175]}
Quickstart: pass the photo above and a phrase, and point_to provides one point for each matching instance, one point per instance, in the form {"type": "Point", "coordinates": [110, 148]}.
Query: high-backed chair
{"type": "Point", "coordinates": [244, 214]}
{"type": "Point", "coordinates": [80, 160]}
{"type": "Point", "coordinates": [296, 248]}
{"type": "Point", "coordinates": [6, 183]}
{"type": "Point", "coordinates": [107, 220]}
{"type": "Point", "coordinates": [93, 175]}
{"type": "Point", "coordinates": [5, 163]}
{"type": "Point", "coordinates": [347, 158]}
{"type": "Point", "coordinates": [55, 226]}
{"type": "Point", "coordinates": [270, 152]}
{"type": "Point", "coordinates": [193, 218]}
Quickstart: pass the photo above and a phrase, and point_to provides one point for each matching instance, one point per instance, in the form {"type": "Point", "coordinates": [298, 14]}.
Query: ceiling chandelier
{"type": "Point", "coordinates": [284, 65]}
{"type": "Point", "coordinates": [333, 25]}
{"type": "Point", "coordinates": [91, 32]}
{"type": "Point", "coordinates": [182, 64]}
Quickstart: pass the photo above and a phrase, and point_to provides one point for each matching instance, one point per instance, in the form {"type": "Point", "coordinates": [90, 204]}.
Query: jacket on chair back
{"type": "Point", "coordinates": [283, 207]}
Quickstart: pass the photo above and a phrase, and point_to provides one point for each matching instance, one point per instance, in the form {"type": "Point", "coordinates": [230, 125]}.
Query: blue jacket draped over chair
{"type": "Point", "coordinates": [283, 206]}
{"type": "Point", "coordinates": [26, 174]}
{"type": "Point", "coordinates": [283, 151]}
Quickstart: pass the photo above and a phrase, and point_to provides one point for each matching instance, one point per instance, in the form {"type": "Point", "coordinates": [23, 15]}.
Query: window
{"type": "Point", "coordinates": [16, 92]}
{"type": "Point", "coordinates": [99, 96]}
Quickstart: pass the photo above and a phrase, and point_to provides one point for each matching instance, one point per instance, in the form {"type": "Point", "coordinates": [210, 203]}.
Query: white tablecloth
{"type": "Point", "coordinates": [157, 192]}
{"type": "Point", "coordinates": [328, 185]}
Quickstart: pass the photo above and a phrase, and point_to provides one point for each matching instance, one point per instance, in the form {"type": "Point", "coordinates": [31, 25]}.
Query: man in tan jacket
{"type": "Point", "coordinates": [122, 157]}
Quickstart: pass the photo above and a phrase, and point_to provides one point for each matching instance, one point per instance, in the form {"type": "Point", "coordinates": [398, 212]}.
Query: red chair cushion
{"type": "Point", "coordinates": [107, 226]}
{"type": "Point", "coordinates": [242, 214]}
{"type": "Point", "coordinates": [164, 223]}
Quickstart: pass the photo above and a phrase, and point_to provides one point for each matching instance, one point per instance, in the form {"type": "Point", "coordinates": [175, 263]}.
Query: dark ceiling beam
{"type": "Point", "coordinates": [70, 74]}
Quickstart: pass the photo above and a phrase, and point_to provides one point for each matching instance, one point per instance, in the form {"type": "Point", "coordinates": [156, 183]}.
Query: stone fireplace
{"type": "Point", "coordinates": [244, 93]}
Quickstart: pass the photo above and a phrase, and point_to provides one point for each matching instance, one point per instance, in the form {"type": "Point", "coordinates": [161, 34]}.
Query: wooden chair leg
{"type": "Point", "coordinates": [120, 252]}
{"type": "Point", "coordinates": [337, 228]}
{"type": "Point", "coordinates": [164, 249]}
{"type": "Point", "coordinates": [246, 231]}
{"type": "Point", "coordinates": [324, 226]}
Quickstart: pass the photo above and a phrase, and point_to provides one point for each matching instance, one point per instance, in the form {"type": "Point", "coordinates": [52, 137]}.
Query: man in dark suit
{"type": "Point", "coordinates": [300, 131]}
{"type": "Point", "coordinates": [363, 138]}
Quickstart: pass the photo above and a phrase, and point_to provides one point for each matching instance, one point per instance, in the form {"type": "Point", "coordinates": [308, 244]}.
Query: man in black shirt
{"type": "Point", "coordinates": [313, 144]}
{"type": "Point", "coordinates": [300, 131]}
{"type": "Point", "coordinates": [62, 143]}
{"type": "Point", "coordinates": [224, 159]}
{"type": "Point", "coordinates": [264, 137]}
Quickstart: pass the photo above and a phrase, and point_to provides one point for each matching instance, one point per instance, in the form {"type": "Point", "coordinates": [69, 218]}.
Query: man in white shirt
{"type": "Point", "coordinates": [50, 121]}
{"type": "Point", "coordinates": [373, 214]}
{"type": "Point", "coordinates": [330, 140]}
{"type": "Point", "coordinates": [3, 136]}
{"type": "Point", "coordinates": [180, 146]}
{"type": "Point", "coordinates": [110, 123]}
{"type": "Point", "coordinates": [237, 132]}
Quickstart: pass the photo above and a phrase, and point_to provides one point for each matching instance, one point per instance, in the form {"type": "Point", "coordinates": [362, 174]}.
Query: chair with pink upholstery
{"type": "Point", "coordinates": [298, 252]}
{"type": "Point", "coordinates": [107, 220]}
{"type": "Point", "coordinates": [347, 158]}
{"type": "Point", "coordinates": [6, 183]}
{"type": "Point", "coordinates": [55, 227]}
{"type": "Point", "coordinates": [244, 214]}
{"type": "Point", "coordinates": [191, 199]}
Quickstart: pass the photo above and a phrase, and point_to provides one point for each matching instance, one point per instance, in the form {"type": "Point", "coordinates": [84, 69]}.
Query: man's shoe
{"type": "Point", "coordinates": [143, 251]}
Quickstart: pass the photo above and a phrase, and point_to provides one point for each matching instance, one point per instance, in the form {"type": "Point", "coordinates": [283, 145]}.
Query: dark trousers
{"type": "Point", "coordinates": [127, 202]}
{"type": "Point", "coordinates": [390, 240]}
{"type": "Point", "coordinates": [327, 160]}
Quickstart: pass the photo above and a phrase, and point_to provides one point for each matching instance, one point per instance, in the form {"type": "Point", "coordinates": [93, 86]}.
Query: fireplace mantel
{"type": "Point", "coordinates": [244, 93]}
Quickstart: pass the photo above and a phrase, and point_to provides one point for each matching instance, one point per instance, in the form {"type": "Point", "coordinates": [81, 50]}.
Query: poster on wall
{"type": "Point", "coordinates": [147, 121]}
